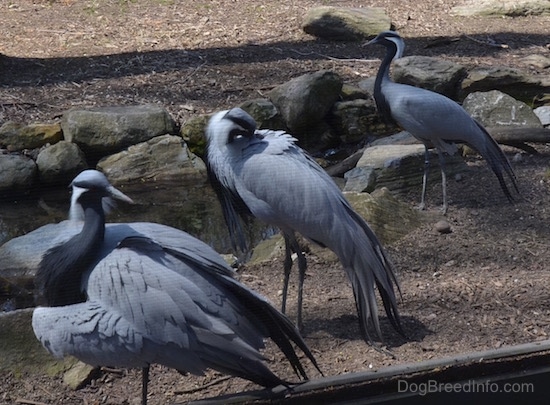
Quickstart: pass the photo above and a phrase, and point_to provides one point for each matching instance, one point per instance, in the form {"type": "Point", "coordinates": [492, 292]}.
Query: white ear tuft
{"type": "Point", "coordinates": [76, 213]}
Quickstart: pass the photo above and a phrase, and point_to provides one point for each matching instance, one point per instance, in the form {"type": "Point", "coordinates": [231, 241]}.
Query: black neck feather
{"type": "Point", "coordinates": [59, 276]}
{"type": "Point", "coordinates": [384, 75]}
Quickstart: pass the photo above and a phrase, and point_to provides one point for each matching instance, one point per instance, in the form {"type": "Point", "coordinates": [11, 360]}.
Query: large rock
{"type": "Point", "coordinates": [497, 109]}
{"type": "Point", "coordinates": [429, 73]}
{"type": "Point", "coordinates": [60, 163]}
{"type": "Point", "coordinates": [303, 102]}
{"type": "Point", "coordinates": [500, 8]}
{"type": "Point", "coordinates": [398, 168]}
{"type": "Point", "coordinates": [354, 120]}
{"type": "Point", "coordinates": [360, 179]}
{"type": "Point", "coordinates": [514, 82]}
{"type": "Point", "coordinates": [164, 158]}
{"type": "Point", "coordinates": [19, 257]}
{"type": "Point", "coordinates": [389, 218]}
{"type": "Point", "coordinates": [20, 350]}
{"type": "Point", "coordinates": [105, 130]}
{"type": "Point", "coordinates": [265, 113]}
{"type": "Point", "coordinates": [346, 24]}
{"type": "Point", "coordinates": [352, 92]}
{"type": "Point", "coordinates": [192, 132]}
{"type": "Point", "coordinates": [17, 172]}
{"type": "Point", "coordinates": [15, 136]}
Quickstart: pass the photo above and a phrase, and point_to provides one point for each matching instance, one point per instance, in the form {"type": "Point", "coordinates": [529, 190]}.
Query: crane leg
{"type": "Point", "coordinates": [292, 245]}
{"type": "Point", "coordinates": [144, 383]}
{"type": "Point", "coordinates": [422, 205]}
{"type": "Point", "coordinates": [445, 206]}
{"type": "Point", "coordinates": [287, 267]}
{"type": "Point", "coordinates": [302, 266]}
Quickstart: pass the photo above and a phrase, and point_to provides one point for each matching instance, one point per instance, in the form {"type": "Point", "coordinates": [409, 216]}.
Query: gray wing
{"type": "Point", "coordinates": [250, 317]}
{"type": "Point", "coordinates": [170, 238]}
{"type": "Point", "coordinates": [152, 303]}
{"type": "Point", "coordinates": [434, 118]}
{"type": "Point", "coordinates": [430, 116]}
{"type": "Point", "coordinates": [141, 311]}
{"type": "Point", "coordinates": [236, 210]}
{"type": "Point", "coordinates": [287, 188]}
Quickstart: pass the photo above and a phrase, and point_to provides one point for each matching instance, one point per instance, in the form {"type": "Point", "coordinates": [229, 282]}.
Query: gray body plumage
{"type": "Point", "coordinates": [146, 305]}
{"type": "Point", "coordinates": [155, 294]}
{"type": "Point", "coordinates": [435, 119]}
{"type": "Point", "coordinates": [268, 175]}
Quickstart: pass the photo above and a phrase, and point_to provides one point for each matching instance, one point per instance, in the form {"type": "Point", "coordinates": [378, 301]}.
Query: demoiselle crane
{"type": "Point", "coordinates": [265, 174]}
{"type": "Point", "coordinates": [435, 120]}
{"type": "Point", "coordinates": [133, 294]}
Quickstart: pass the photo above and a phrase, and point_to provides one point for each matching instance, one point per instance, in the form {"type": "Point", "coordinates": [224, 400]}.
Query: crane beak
{"type": "Point", "coordinates": [372, 41]}
{"type": "Point", "coordinates": [119, 195]}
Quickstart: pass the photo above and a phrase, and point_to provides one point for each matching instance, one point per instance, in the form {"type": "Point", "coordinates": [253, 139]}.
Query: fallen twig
{"type": "Point", "coordinates": [17, 103]}
{"type": "Point", "coordinates": [193, 72]}
{"type": "Point", "coordinates": [28, 402]}
{"type": "Point", "coordinates": [111, 370]}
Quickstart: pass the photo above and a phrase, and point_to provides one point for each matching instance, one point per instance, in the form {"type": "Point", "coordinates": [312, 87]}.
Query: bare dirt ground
{"type": "Point", "coordinates": [482, 286]}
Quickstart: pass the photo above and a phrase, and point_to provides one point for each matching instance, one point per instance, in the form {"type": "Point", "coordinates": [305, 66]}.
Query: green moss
{"type": "Point", "coordinates": [192, 133]}
{"type": "Point", "coordinates": [21, 352]}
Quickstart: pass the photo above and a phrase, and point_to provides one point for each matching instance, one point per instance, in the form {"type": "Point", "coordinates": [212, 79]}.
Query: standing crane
{"type": "Point", "coordinates": [133, 294]}
{"type": "Point", "coordinates": [263, 173]}
{"type": "Point", "coordinates": [435, 120]}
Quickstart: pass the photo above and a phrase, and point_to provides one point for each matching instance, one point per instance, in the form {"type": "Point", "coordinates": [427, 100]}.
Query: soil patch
{"type": "Point", "coordinates": [482, 286]}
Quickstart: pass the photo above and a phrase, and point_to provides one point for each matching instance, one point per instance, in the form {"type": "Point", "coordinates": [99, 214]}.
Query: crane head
{"type": "Point", "coordinates": [390, 39]}
{"type": "Point", "coordinates": [228, 126]}
{"type": "Point", "coordinates": [93, 181]}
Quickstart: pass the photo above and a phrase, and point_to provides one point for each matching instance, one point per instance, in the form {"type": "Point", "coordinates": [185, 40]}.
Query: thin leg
{"type": "Point", "coordinates": [302, 266]}
{"type": "Point", "coordinates": [287, 266]}
{"type": "Point", "coordinates": [422, 205]}
{"type": "Point", "coordinates": [292, 245]}
{"type": "Point", "coordinates": [443, 181]}
{"type": "Point", "coordinates": [144, 382]}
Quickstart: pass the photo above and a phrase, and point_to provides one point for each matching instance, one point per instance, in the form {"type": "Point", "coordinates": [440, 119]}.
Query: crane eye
{"type": "Point", "coordinates": [236, 133]}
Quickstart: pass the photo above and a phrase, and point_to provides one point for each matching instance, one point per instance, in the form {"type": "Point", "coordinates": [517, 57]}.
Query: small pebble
{"type": "Point", "coordinates": [443, 227]}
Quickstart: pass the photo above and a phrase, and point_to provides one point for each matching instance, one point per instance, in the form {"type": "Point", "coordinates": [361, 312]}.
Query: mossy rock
{"type": "Point", "coordinates": [20, 350]}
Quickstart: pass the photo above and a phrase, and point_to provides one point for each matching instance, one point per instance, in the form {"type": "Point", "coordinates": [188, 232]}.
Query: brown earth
{"type": "Point", "coordinates": [482, 286]}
